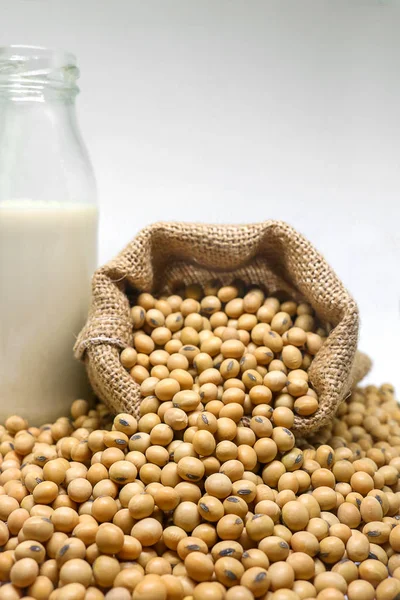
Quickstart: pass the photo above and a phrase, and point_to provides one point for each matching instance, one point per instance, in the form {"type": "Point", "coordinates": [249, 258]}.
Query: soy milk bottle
{"type": "Point", "coordinates": [48, 234]}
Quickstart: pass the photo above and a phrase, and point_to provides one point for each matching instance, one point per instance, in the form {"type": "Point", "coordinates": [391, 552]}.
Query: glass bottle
{"type": "Point", "coordinates": [48, 234]}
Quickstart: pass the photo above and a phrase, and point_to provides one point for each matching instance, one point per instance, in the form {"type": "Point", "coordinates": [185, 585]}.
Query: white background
{"type": "Point", "coordinates": [243, 110]}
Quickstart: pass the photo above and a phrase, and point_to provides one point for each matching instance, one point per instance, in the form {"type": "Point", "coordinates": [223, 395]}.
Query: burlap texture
{"type": "Point", "coordinates": [164, 256]}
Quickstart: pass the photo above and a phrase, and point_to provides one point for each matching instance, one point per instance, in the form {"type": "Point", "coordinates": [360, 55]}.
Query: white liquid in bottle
{"type": "Point", "coordinates": [47, 257]}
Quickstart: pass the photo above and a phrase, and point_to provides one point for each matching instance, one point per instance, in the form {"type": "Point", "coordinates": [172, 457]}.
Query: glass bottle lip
{"type": "Point", "coordinates": [32, 69]}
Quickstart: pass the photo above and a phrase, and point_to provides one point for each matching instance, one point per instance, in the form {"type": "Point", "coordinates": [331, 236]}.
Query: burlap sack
{"type": "Point", "coordinates": [272, 254]}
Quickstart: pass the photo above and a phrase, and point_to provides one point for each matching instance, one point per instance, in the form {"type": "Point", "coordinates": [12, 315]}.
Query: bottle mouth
{"type": "Point", "coordinates": [31, 69]}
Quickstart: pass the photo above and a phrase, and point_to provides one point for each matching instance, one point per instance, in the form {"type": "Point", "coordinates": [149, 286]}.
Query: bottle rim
{"type": "Point", "coordinates": [33, 68]}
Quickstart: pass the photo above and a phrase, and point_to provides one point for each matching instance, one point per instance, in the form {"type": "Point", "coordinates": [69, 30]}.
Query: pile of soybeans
{"type": "Point", "coordinates": [207, 494]}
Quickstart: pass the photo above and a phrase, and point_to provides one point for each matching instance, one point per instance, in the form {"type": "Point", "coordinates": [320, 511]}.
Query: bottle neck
{"type": "Point", "coordinates": [41, 118]}
{"type": "Point", "coordinates": [42, 155]}
{"type": "Point", "coordinates": [23, 95]}
{"type": "Point", "coordinates": [37, 75]}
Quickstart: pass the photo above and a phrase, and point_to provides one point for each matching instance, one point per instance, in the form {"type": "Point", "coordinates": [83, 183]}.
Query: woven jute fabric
{"type": "Point", "coordinates": [165, 256]}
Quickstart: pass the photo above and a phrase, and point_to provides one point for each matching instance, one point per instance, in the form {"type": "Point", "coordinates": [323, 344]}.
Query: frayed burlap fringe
{"type": "Point", "coordinates": [164, 256]}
